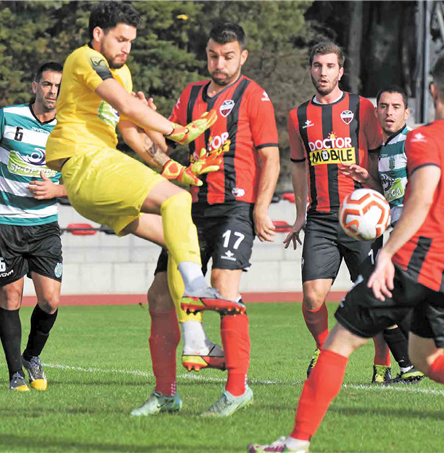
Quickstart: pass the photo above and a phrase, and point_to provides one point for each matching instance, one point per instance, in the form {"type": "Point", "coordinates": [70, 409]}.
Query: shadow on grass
{"type": "Point", "coordinates": [34, 444]}
{"type": "Point", "coordinates": [387, 412]}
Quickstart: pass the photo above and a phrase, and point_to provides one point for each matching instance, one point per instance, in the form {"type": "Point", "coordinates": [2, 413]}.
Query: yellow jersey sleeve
{"type": "Point", "coordinates": [84, 120]}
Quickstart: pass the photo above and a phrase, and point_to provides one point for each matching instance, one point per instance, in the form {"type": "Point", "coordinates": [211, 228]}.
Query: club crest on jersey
{"type": "Point", "coordinates": [226, 107]}
{"type": "Point", "coordinates": [347, 116]}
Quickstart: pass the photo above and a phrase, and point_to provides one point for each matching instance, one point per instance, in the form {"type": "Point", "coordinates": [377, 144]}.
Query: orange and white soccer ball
{"type": "Point", "coordinates": [364, 214]}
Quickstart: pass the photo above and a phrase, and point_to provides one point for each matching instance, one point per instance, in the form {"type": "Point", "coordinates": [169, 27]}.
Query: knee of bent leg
{"type": "Point", "coordinates": [159, 298]}
{"type": "Point", "coordinates": [10, 299]}
{"type": "Point", "coordinates": [50, 303]}
{"type": "Point", "coordinates": [313, 299]}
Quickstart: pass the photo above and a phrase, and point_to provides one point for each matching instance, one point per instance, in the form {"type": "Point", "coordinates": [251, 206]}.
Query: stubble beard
{"type": "Point", "coordinates": [325, 91]}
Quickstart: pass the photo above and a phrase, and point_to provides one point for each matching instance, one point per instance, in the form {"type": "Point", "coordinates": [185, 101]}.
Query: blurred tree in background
{"type": "Point", "coordinates": [169, 51]}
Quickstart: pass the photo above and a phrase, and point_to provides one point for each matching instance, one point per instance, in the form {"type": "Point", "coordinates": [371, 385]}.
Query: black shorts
{"type": "Point", "coordinates": [364, 315]}
{"type": "Point", "coordinates": [226, 234]}
{"type": "Point", "coordinates": [26, 249]}
{"type": "Point", "coordinates": [325, 244]}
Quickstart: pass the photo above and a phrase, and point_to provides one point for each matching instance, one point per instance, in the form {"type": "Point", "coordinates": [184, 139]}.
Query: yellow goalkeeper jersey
{"type": "Point", "coordinates": [84, 119]}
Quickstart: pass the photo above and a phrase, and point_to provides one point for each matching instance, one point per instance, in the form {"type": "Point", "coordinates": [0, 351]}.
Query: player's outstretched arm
{"type": "Point", "coordinates": [423, 185]}
{"type": "Point", "coordinates": [361, 175]}
{"type": "Point", "coordinates": [148, 119]}
{"type": "Point", "coordinates": [154, 154]}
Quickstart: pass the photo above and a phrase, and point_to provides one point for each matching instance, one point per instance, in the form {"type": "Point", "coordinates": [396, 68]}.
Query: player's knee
{"type": "Point", "coordinates": [49, 303]}
{"type": "Point", "coordinates": [313, 301]}
{"type": "Point", "coordinates": [10, 300]}
{"type": "Point", "coordinates": [178, 202]}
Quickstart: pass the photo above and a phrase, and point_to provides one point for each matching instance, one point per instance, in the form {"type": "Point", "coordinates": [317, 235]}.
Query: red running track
{"type": "Point", "coordinates": [134, 299]}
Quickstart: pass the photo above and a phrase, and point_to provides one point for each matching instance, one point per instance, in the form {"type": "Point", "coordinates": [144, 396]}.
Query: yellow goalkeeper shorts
{"type": "Point", "coordinates": [108, 187]}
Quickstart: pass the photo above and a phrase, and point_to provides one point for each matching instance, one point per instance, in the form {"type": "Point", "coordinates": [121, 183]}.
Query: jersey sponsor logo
{"type": "Point", "coordinates": [30, 165]}
{"type": "Point", "coordinates": [418, 137]}
{"type": "Point", "coordinates": [330, 142]}
{"type": "Point", "coordinates": [237, 192]}
{"type": "Point", "coordinates": [347, 116]}
{"type": "Point", "coordinates": [220, 143]}
{"type": "Point", "coordinates": [308, 123]}
{"type": "Point", "coordinates": [265, 96]}
{"type": "Point", "coordinates": [333, 156]}
{"type": "Point", "coordinates": [108, 114]}
{"type": "Point", "coordinates": [226, 108]}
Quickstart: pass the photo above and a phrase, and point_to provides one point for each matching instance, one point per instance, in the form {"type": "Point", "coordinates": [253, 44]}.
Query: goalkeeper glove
{"type": "Point", "coordinates": [173, 170]}
{"type": "Point", "coordinates": [206, 163]}
{"type": "Point", "coordinates": [186, 134]}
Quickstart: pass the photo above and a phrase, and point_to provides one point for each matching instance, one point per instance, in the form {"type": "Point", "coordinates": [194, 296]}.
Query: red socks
{"type": "Point", "coordinates": [436, 370]}
{"type": "Point", "coordinates": [319, 390]}
{"type": "Point", "coordinates": [317, 323]}
{"type": "Point", "coordinates": [236, 343]}
{"type": "Point", "coordinates": [382, 351]}
{"type": "Point", "coordinates": [164, 339]}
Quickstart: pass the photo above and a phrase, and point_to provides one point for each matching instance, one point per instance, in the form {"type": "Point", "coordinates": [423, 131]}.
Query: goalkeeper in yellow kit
{"type": "Point", "coordinates": [110, 187]}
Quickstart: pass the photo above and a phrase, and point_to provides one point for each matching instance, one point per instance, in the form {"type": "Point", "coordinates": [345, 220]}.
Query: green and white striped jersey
{"type": "Point", "coordinates": [392, 169]}
{"type": "Point", "coordinates": [22, 157]}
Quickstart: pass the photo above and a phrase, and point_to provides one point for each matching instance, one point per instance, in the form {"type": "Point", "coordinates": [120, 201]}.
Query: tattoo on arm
{"type": "Point", "coordinates": [155, 153]}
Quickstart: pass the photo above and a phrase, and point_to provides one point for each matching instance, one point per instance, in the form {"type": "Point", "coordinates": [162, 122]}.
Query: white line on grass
{"type": "Point", "coordinates": [200, 377]}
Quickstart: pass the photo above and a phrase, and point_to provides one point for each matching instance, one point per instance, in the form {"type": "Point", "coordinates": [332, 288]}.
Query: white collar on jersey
{"type": "Point", "coordinates": [315, 101]}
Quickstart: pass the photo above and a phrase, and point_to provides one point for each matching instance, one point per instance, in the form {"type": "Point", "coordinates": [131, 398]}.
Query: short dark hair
{"type": "Point", "coordinates": [324, 48]}
{"type": "Point", "coordinates": [49, 66]}
{"type": "Point", "coordinates": [107, 15]}
{"type": "Point", "coordinates": [394, 89]}
{"type": "Point", "coordinates": [225, 32]}
{"type": "Point", "coordinates": [438, 74]}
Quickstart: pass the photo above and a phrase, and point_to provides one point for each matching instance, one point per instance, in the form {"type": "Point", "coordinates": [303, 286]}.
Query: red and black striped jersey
{"type": "Point", "coordinates": [245, 124]}
{"type": "Point", "coordinates": [328, 135]}
{"type": "Point", "coordinates": [422, 257]}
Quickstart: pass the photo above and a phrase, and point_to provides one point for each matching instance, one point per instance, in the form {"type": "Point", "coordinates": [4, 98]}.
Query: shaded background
{"type": "Point", "coordinates": [380, 40]}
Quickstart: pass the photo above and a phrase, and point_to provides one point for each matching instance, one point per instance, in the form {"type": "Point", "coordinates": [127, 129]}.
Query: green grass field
{"type": "Point", "coordinates": [98, 368]}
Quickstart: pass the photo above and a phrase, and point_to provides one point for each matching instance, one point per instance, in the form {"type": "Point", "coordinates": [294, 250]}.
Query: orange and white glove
{"type": "Point", "coordinates": [206, 163]}
{"type": "Point", "coordinates": [186, 134]}
{"type": "Point", "coordinates": [174, 170]}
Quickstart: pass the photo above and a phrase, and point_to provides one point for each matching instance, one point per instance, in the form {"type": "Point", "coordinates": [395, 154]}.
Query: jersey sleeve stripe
{"type": "Point", "coordinates": [426, 164]}
{"type": "Point", "coordinates": [266, 145]}
{"type": "Point", "coordinates": [298, 161]}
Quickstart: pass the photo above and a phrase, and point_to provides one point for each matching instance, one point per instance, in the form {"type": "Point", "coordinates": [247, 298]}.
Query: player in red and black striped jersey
{"type": "Point", "coordinates": [229, 209]}
{"type": "Point", "coordinates": [331, 129]}
{"type": "Point", "coordinates": [409, 274]}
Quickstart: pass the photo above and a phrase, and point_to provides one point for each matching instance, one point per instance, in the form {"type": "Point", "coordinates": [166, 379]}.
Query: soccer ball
{"type": "Point", "coordinates": [364, 214]}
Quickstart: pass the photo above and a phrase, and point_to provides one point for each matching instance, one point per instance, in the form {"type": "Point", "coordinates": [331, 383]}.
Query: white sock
{"type": "Point", "coordinates": [296, 444]}
{"type": "Point", "coordinates": [192, 276]}
{"type": "Point", "coordinates": [194, 338]}
{"type": "Point", "coordinates": [405, 369]}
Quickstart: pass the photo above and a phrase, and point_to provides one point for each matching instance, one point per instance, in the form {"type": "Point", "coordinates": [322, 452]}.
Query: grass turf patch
{"type": "Point", "coordinates": [98, 367]}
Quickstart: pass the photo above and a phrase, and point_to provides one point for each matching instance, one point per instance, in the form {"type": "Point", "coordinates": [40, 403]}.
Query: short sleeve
{"type": "Point", "coordinates": [421, 149]}
{"type": "Point", "coordinates": [297, 148]}
{"type": "Point", "coordinates": [262, 119]}
{"type": "Point", "coordinates": [91, 68]}
{"type": "Point", "coordinates": [372, 129]}
{"type": "Point", "coordinates": [179, 112]}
